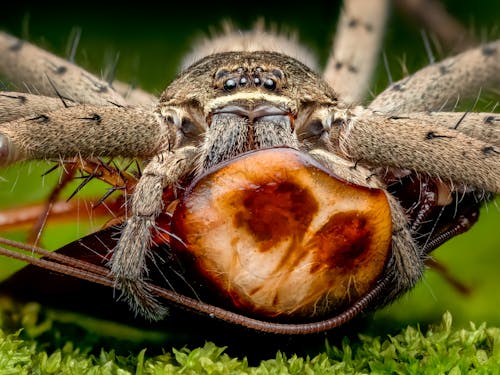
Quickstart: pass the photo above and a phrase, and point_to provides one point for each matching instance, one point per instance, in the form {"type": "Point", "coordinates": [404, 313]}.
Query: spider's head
{"type": "Point", "coordinates": [232, 102]}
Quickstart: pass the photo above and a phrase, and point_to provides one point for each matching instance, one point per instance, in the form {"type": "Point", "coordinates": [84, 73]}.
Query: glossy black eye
{"type": "Point", "coordinates": [243, 81]}
{"type": "Point", "coordinates": [270, 84]}
{"type": "Point", "coordinates": [230, 84]}
{"type": "Point", "coordinates": [256, 81]}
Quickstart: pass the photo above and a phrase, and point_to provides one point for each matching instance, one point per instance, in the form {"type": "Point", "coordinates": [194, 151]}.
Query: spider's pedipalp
{"type": "Point", "coordinates": [84, 130]}
{"type": "Point", "coordinates": [357, 43]}
{"type": "Point", "coordinates": [22, 64]}
{"type": "Point", "coordinates": [407, 142]}
{"type": "Point", "coordinates": [15, 105]}
{"type": "Point", "coordinates": [128, 264]}
{"type": "Point", "coordinates": [438, 86]}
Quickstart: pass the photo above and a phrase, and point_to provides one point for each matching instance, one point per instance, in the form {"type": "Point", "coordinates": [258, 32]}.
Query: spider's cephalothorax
{"type": "Point", "coordinates": [233, 102]}
{"type": "Point", "coordinates": [285, 198]}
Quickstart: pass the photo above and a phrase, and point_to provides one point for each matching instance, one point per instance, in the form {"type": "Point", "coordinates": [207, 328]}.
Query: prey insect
{"type": "Point", "coordinates": [291, 208]}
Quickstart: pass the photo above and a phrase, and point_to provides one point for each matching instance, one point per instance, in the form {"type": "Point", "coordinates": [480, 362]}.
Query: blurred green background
{"type": "Point", "coordinates": [150, 40]}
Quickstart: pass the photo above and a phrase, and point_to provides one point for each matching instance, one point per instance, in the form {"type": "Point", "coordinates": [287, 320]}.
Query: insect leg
{"type": "Point", "coordinates": [434, 17]}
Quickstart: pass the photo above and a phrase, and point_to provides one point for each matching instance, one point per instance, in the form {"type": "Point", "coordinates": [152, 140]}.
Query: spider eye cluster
{"type": "Point", "coordinates": [270, 79]}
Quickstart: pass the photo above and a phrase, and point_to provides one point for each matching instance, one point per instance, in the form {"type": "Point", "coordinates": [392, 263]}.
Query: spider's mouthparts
{"type": "Point", "coordinates": [239, 126]}
{"type": "Point", "coordinates": [254, 112]}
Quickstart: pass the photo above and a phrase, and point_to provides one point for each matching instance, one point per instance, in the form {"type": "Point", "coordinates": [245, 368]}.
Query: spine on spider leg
{"type": "Point", "coordinates": [479, 125]}
{"type": "Point", "coordinates": [438, 86]}
{"type": "Point", "coordinates": [85, 131]}
{"type": "Point", "coordinates": [409, 143]}
{"type": "Point", "coordinates": [26, 65]}
{"type": "Point", "coordinates": [355, 50]}
{"type": "Point", "coordinates": [14, 105]}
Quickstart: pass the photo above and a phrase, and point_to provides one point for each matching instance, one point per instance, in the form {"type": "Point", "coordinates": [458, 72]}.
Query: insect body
{"type": "Point", "coordinates": [286, 182]}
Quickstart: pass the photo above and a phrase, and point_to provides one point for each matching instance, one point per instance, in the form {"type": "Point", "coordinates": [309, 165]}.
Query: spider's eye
{"type": "Point", "coordinates": [270, 84]}
{"type": "Point", "coordinates": [230, 84]}
{"type": "Point", "coordinates": [243, 81]}
{"type": "Point", "coordinates": [188, 128]}
{"type": "Point", "coordinates": [171, 118]}
{"type": "Point", "coordinates": [256, 81]}
{"type": "Point", "coordinates": [277, 73]}
{"type": "Point", "coordinates": [316, 127]}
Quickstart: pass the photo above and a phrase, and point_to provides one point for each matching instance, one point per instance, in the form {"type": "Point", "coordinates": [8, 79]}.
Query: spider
{"type": "Point", "coordinates": [260, 90]}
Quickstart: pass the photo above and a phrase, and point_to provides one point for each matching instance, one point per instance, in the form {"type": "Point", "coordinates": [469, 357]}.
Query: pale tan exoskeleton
{"type": "Point", "coordinates": [242, 91]}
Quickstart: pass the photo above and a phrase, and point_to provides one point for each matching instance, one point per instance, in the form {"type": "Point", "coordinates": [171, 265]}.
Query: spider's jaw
{"type": "Point", "coordinates": [244, 125]}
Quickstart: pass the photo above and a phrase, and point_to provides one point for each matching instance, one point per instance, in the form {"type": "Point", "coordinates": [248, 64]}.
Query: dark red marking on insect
{"type": "Point", "coordinates": [274, 210]}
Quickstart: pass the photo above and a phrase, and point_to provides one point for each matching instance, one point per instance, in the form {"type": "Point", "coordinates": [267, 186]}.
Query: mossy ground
{"type": "Point", "coordinates": [35, 347]}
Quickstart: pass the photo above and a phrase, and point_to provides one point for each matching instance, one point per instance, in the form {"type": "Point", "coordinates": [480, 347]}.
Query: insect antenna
{"type": "Point", "coordinates": [444, 272]}
{"type": "Point", "coordinates": [100, 275]}
{"type": "Point", "coordinates": [51, 260]}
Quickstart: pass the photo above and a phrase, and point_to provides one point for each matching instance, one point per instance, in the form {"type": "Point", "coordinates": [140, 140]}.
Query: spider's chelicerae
{"type": "Point", "coordinates": [415, 172]}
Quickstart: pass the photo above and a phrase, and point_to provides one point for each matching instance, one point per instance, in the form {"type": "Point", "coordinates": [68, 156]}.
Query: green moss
{"type": "Point", "coordinates": [28, 336]}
